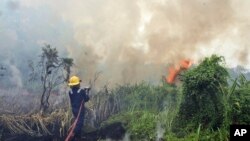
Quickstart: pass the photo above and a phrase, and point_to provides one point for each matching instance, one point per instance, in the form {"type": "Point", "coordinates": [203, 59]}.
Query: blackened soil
{"type": "Point", "coordinates": [114, 131]}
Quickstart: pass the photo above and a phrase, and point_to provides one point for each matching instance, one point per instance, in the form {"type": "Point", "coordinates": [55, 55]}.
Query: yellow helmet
{"type": "Point", "coordinates": [74, 80]}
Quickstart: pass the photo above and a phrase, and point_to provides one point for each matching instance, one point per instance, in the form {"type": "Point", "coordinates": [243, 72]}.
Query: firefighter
{"type": "Point", "coordinates": [78, 97]}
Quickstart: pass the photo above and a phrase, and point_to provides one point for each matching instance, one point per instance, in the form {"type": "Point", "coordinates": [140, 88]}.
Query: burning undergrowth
{"type": "Point", "coordinates": [144, 111]}
{"type": "Point", "coordinates": [135, 43]}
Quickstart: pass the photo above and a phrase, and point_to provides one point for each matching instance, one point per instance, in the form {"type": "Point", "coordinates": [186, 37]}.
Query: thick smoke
{"type": "Point", "coordinates": [16, 77]}
{"type": "Point", "coordinates": [13, 5]}
{"type": "Point", "coordinates": [132, 40]}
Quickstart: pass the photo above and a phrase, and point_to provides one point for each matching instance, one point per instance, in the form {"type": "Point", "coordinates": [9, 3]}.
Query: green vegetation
{"type": "Point", "coordinates": [239, 102]}
{"type": "Point", "coordinates": [202, 108]}
{"type": "Point", "coordinates": [142, 107]}
{"type": "Point", "coordinates": [202, 103]}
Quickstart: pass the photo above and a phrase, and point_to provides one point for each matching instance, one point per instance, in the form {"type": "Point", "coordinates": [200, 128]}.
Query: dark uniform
{"type": "Point", "coordinates": [77, 98]}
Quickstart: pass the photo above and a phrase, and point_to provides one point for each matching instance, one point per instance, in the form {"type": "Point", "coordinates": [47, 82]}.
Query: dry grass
{"type": "Point", "coordinates": [37, 125]}
{"type": "Point", "coordinates": [18, 112]}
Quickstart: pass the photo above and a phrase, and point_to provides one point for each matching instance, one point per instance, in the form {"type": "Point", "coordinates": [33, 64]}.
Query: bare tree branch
{"type": "Point", "coordinates": [51, 70]}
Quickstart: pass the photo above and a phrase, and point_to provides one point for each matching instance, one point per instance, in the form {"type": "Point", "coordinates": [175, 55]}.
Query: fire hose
{"type": "Point", "coordinates": [73, 126]}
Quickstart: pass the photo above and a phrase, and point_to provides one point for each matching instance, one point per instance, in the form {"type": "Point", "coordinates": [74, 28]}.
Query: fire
{"type": "Point", "coordinates": [174, 71]}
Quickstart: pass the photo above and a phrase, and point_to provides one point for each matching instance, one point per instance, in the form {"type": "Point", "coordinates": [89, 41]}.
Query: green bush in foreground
{"type": "Point", "coordinates": [140, 124]}
{"type": "Point", "coordinates": [239, 101]}
{"type": "Point", "coordinates": [202, 103]}
{"type": "Point", "coordinates": [201, 109]}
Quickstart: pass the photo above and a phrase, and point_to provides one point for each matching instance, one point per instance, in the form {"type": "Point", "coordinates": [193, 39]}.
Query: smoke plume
{"type": "Point", "coordinates": [140, 38]}
{"type": "Point", "coordinates": [133, 40]}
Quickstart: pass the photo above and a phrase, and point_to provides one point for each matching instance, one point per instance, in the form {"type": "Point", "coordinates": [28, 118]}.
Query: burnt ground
{"type": "Point", "coordinates": [114, 131]}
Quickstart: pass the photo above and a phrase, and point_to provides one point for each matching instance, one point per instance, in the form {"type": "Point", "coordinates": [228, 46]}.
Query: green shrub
{"type": "Point", "coordinates": [202, 97]}
{"type": "Point", "coordinates": [143, 96]}
{"type": "Point", "coordinates": [240, 102]}
{"type": "Point", "coordinates": [140, 124]}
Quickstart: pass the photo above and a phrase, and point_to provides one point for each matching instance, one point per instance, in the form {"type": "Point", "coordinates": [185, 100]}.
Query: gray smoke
{"type": "Point", "coordinates": [15, 77]}
{"type": "Point", "coordinates": [13, 4]}
{"type": "Point", "coordinates": [128, 41]}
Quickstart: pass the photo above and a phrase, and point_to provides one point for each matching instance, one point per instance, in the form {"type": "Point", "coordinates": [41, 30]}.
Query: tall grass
{"type": "Point", "coordinates": [198, 133]}
{"type": "Point", "coordinates": [141, 108]}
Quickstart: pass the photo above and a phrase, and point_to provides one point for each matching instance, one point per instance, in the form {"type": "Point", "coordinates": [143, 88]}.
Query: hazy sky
{"type": "Point", "coordinates": [128, 40]}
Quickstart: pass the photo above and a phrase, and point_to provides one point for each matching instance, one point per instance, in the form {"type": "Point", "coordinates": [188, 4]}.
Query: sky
{"type": "Point", "coordinates": [126, 40]}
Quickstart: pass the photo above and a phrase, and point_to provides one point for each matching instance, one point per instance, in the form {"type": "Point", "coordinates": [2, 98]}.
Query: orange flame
{"type": "Point", "coordinates": [185, 64]}
{"type": "Point", "coordinates": [173, 72]}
